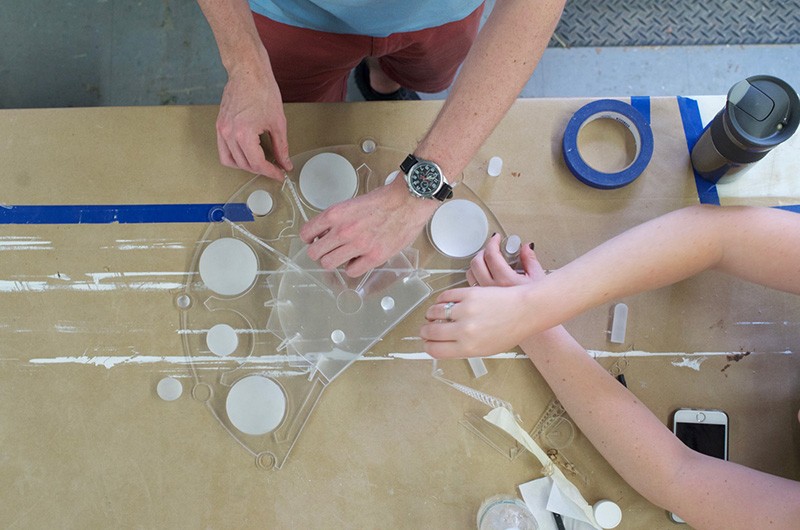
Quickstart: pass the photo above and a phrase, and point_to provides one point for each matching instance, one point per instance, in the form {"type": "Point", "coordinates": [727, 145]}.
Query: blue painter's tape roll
{"type": "Point", "coordinates": [628, 116]}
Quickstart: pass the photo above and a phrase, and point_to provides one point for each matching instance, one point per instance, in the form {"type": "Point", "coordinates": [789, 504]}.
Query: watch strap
{"type": "Point", "coordinates": [444, 193]}
{"type": "Point", "coordinates": [408, 163]}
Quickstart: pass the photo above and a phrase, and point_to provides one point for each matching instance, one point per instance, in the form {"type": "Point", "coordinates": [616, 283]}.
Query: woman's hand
{"type": "Point", "coordinates": [492, 318]}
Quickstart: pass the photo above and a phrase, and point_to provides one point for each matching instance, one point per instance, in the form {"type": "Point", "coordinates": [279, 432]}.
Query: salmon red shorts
{"type": "Point", "coordinates": [314, 65]}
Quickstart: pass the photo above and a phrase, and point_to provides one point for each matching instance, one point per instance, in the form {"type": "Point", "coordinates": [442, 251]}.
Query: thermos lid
{"type": "Point", "coordinates": [763, 111]}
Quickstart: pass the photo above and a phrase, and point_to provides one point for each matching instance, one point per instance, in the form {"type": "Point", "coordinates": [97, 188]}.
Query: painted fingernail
{"type": "Point", "coordinates": [532, 245]}
{"type": "Point", "coordinates": [494, 234]}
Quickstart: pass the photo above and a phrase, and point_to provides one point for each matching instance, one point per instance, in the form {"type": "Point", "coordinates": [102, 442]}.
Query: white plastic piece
{"type": "Point", "coordinates": [337, 336]}
{"type": "Point", "coordinates": [391, 177]}
{"type": "Point", "coordinates": [183, 301]}
{"type": "Point", "coordinates": [169, 389]}
{"type": "Point", "coordinates": [260, 202]}
{"type": "Point", "coordinates": [222, 340]}
{"type": "Point", "coordinates": [478, 367]}
{"type": "Point", "coordinates": [368, 145]}
{"type": "Point", "coordinates": [495, 166]}
{"type": "Point", "coordinates": [513, 244]}
{"type": "Point", "coordinates": [228, 266]}
{"type": "Point", "coordinates": [607, 514]}
{"type": "Point", "coordinates": [459, 228]}
{"type": "Point", "coordinates": [619, 323]}
{"type": "Point", "coordinates": [387, 303]}
{"type": "Point", "coordinates": [327, 179]}
{"type": "Point", "coordinates": [256, 405]}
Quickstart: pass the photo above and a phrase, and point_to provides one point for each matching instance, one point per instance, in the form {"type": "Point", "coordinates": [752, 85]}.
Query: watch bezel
{"type": "Point", "coordinates": [417, 164]}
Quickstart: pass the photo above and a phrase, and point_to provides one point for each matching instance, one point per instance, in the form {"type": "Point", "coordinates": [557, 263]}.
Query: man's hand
{"type": "Point", "coordinates": [366, 231]}
{"type": "Point", "coordinates": [251, 105]}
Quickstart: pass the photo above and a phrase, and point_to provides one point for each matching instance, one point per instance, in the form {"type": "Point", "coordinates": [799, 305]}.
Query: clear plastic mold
{"type": "Point", "coordinates": [296, 326]}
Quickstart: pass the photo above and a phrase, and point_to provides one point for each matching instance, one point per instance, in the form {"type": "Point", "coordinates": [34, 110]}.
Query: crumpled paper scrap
{"type": "Point", "coordinates": [567, 496]}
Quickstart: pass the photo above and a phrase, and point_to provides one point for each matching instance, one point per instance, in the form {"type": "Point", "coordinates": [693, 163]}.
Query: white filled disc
{"type": "Point", "coordinates": [260, 202]}
{"type": "Point", "coordinates": [327, 179]}
{"type": "Point", "coordinates": [228, 266]}
{"type": "Point", "coordinates": [459, 228]}
{"type": "Point", "coordinates": [169, 389]}
{"type": "Point", "coordinates": [221, 340]}
{"type": "Point", "coordinates": [256, 405]}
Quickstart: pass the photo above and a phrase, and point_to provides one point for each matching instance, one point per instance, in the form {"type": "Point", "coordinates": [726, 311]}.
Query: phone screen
{"type": "Point", "coordinates": [705, 438]}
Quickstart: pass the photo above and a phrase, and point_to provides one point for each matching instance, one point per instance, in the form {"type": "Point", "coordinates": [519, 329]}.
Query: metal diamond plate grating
{"type": "Point", "coordinates": [589, 23]}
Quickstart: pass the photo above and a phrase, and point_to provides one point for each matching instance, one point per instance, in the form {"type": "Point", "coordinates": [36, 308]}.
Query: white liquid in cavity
{"type": "Point", "coordinates": [256, 405]}
{"type": "Point", "coordinates": [327, 179]}
{"type": "Point", "coordinates": [228, 266]}
{"type": "Point", "coordinates": [260, 202]}
{"type": "Point", "coordinates": [459, 228]}
{"type": "Point", "coordinates": [221, 340]}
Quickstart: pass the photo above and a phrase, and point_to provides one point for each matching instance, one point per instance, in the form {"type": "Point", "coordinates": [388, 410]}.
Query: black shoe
{"type": "Point", "coordinates": [370, 94]}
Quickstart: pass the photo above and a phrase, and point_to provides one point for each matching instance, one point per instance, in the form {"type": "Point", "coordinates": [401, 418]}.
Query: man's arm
{"type": "Point", "coordinates": [367, 230]}
{"type": "Point", "coordinates": [251, 102]}
{"type": "Point", "coordinates": [761, 245]}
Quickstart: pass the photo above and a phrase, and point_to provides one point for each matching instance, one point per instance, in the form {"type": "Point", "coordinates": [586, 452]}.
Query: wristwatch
{"type": "Point", "coordinates": [425, 179]}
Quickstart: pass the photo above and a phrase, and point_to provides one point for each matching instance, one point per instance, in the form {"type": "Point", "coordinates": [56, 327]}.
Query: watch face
{"type": "Point", "coordinates": [425, 179]}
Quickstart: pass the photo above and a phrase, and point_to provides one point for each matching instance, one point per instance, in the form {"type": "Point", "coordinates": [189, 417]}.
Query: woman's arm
{"type": "Point", "coordinates": [706, 492]}
{"type": "Point", "coordinates": [761, 245]}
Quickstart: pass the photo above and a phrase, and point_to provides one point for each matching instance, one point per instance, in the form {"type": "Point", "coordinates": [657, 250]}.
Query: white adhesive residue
{"type": "Point", "coordinates": [688, 362]}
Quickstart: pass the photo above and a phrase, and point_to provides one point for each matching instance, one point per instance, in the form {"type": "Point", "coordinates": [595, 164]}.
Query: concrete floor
{"type": "Point", "coordinates": [126, 52]}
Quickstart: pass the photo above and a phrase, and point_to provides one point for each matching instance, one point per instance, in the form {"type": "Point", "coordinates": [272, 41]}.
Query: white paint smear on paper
{"type": "Point", "coordinates": [687, 362]}
{"type": "Point", "coordinates": [24, 243]}
{"type": "Point", "coordinates": [97, 282]}
{"type": "Point", "coordinates": [146, 244]}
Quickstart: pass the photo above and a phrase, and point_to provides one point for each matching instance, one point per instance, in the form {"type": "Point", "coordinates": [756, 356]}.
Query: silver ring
{"type": "Point", "coordinates": [448, 310]}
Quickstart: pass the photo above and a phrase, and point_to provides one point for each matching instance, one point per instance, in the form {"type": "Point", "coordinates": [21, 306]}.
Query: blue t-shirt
{"type": "Point", "coordinates": [375, 18]}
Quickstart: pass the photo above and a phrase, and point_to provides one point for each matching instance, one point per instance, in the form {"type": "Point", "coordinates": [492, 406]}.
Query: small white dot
{"type": "Point", "coordinates": [183, 301]}
{"type": "Point", "coordinates": [337, 336]}
{"type": "Point", "coordinates": [368, 145]}
{"type": "Point", "coordinates": [169, 389]}
{"type": "Point", "coordinates": [387, 303]}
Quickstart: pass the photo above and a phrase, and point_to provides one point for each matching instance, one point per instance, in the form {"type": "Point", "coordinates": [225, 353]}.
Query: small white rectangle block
{"type": "Point", "coordinates": [478, 367]}
{"type": "Point", "coordinates": [619, 324]}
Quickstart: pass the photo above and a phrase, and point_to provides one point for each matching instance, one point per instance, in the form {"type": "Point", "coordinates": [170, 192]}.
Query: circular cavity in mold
{"type": "Point", "coordinates": [495, 166]}
{"type": "Point", "coordinates": [228, 266]}
{"type": "Point", "coordinates": [222, 340]}
{"type": "Point", "coordinates": [349, 302]}
{"type": "Point", "coordinates": [390, 178]}
{"type": "Point", "coordinates": [368, 145]}
{"type": "Point", "coordinates": [183, 301]}
{"type": "Point", "coordinates": [265, 460]}
{"type": "Point", "coordinates": [327, 179]}
{"type": "Point", "coordinates": [260, 202]}
{"type": "Point", "coordinates": [255, 405]}
{"type": "Point", "coordinates": [202, 392]}
{"type": "Point", "coordinates": [337, 336]}
{"type": "Point", "coordinates": [169, 389]}
{"type": "Point", "coordinates": [387, 303]}
{"type": "Point", "coordinates": [459, 228]}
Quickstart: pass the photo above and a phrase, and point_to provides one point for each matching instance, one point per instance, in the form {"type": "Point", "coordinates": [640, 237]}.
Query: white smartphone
{"type": "Point", "coordinates": [705, 431]}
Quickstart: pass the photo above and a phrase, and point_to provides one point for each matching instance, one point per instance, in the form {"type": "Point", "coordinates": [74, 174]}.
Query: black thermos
{"type": "Point", "coordinates": [761, 112]}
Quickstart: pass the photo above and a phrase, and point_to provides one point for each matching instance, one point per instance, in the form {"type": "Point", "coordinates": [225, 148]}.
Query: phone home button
{"type": "Point", "coordinates": [701, 417]}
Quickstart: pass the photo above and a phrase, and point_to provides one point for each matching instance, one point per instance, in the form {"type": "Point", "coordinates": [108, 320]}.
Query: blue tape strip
{"type": "Point", "coordinates": [123, 213]}
{"type": "Point", "coordinates": [642, 104]}
{"type": "Point", "coordinates": [693, 129]}
{"type": "Point", "coordinates": [587, 174]}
